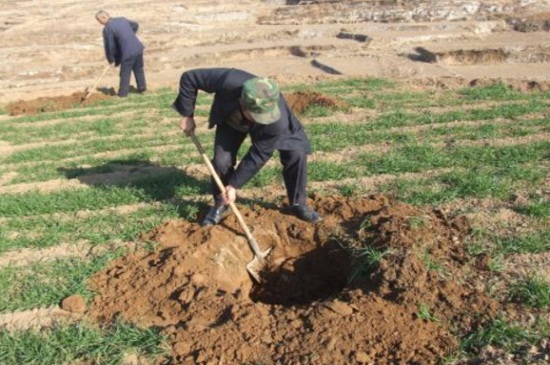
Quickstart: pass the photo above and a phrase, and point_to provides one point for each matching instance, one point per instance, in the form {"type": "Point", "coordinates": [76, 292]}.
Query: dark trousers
{"type": "Point", "coordinates": [226, 145]}
{"type": "Point", "coordinates": [127, 66]}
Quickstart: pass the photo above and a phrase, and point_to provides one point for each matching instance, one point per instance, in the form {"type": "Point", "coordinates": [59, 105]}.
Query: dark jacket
{"type": "Point", "coordinates": [286, 134]}
{"type": "Point", "coordinates": [120, 40]}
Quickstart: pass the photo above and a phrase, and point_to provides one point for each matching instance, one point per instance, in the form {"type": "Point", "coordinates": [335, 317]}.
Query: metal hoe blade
{"type": "Point", "coordinates": [257, 265]}
{"type": "Point", "coordinates": [87, 91]}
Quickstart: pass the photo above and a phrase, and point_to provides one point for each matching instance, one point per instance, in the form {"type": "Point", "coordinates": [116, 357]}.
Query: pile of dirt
{"type": "Point", "coordinates": [323, 298]}
{"type": "Point", "coordinates": [299, 101]}
{"type": "Point", "coordinates": [53, 103]}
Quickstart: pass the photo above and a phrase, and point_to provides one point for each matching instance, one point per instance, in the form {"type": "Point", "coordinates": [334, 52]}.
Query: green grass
{"type": "Point", "coordinates": [97, 228]}
{"type": "Point", "coordinates": [531, 291]}
{"type": "Point", "coordinates": [534, 243]}
{"type": "Point", "coordinates": [538, 209]}
{"type": "Point", "coordinates": [402, 118]}
{"type": "Point", "coordinates": [33, 203]}
{"type": "Point", "coordinates": [416, 158]}
{"type": "Point", "coordinates": [351, 189]}
{"type": "Point", "coordinates": [425, 313]}
{"type": "Point", "coordinates": [502, 334]}
{"type": "Point", "coordinates": [366, 260]}
{"type": "Point", "coordinates": [483, 241]}
{"type": "Point", "coordinates": [430, 263]}
{"type": "Point", "coordinates": [497, 91]}
{"type": "Point", "coordinates": [482, 182]}
{"type": "Point", "coordinates": [60, 152]}
{"type": "Point", "coordinates": [47, 283]}
{"type": "Point", "coordinates": [445, 134]}
{"type": "Point", "coordinates": [79, 343]}
{"type": "Point", "coordinates": [61, 131]}
{"type": "Point", "coordinates": [341, 86]}
{"type": "Point", "coordinates": [155, 188]}
{"type": "Point", "coordinates": [316, 111]}
{"type": "Point", "coordinates": [49, 170]}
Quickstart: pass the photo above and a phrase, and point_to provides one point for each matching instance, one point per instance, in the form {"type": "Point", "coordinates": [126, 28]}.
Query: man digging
{"type": "Point", "coordinates": [247, 105]}
{"type": "Point", "coordinates": [122, 47]}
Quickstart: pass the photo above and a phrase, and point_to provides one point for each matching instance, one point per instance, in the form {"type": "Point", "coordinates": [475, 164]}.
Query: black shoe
{"type": "Point", "coordinates": [305, 213]}
{"type": "Point", "coordinates": [215, 215]}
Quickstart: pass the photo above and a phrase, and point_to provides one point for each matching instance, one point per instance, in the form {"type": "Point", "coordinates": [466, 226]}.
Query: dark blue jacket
{"type": "Point", "coordinates": [286, 134]}
{"type": "Point", "coordinates": [120, 40]}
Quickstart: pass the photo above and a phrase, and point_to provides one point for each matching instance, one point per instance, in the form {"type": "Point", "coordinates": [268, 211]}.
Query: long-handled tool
{"type": "Point", "coordinates": [257, 264]}
{"type": "Point", "coordinates": [88, 91]}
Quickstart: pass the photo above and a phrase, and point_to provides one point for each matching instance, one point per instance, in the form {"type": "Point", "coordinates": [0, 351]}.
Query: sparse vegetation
{"type": "Point", "coordinates": [367, 260]}
{"type": "Point", "coordinates": [502, 334]}
{"type": "Point", "coordinates": [531, 291]}
{"type": "Point", "coordinates": [46, 284]}
{"type": "Point", "coordinates": [425, 314]}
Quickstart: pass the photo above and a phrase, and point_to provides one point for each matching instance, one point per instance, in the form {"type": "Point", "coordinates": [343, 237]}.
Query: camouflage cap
{"type": "Point", "coordinates": [260, 96]}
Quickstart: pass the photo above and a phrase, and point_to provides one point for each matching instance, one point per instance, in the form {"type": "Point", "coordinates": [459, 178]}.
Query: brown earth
{"type": "Point", "coordinates": [319, 304]}
{"type": "Point", "coordinates": [320, 300]}
{"type": "Point", "coordinates": [54, 103]}
{"type": "Point", "coordinates": [56, 48]}
{"type": "Point", "coordinates": [298, 101]}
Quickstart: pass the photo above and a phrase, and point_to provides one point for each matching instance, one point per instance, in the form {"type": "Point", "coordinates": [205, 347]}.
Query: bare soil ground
{"type": "Point", "coordinates": [312, 308]}
{"type": "Point", "coordinates": [53, 103]}
{"type": "Point", "coordinates": [55, 48]}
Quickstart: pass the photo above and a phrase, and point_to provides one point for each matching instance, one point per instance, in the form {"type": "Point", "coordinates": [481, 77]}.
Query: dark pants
{"type": "Point", "coordinates": [128, 65]}
{"type": "Point", "coordinates": [226, 145]}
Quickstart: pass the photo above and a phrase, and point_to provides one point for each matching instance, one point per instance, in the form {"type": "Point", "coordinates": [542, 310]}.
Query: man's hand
{"type": "Point", "coordinates": [187, 125]}
{"type": "Point", "coordinates": [230, 194]}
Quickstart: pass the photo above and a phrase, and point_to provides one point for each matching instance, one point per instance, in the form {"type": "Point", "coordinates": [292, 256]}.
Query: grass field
{"type": "Point", "coordinates": [80, 186]}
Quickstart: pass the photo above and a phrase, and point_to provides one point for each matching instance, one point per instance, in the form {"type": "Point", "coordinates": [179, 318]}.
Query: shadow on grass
{"type": "Point", "coordinates": [155, 181]}
{"type": "Point", "coordinates": [111, 91]}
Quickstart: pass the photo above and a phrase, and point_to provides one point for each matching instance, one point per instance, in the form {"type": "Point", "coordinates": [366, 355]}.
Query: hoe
{"type": "Point", "coordinates": [257, 264]}
{"type": "Point", "coordinates": [88, 91]}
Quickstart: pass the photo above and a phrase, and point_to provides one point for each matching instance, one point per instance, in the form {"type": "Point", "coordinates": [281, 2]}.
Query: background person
{"type": "Point", "coordinates": [122, 47]}
{"type": "Point", "coordinates": [247, 105]}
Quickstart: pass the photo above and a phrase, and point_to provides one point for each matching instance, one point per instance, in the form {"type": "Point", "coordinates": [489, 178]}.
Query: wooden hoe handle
{"type": "Point", "coordinates": [251, 240]}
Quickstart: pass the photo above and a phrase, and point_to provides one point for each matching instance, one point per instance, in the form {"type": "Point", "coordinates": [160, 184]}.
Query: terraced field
{"type": "Point", "coordinates": [82, 187]}
{"type": "Point", "coordinates": [430, 127]}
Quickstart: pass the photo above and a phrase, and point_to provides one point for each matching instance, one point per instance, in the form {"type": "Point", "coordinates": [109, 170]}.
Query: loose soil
{"type": "Point", "coordinates": [299, 101]}
{"type": "Point", "coordinates": [55, 48]}
{"type": "Point", "coordinates": [321, 301]}
{"type": "Point", "coordinates": [54, 103]}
